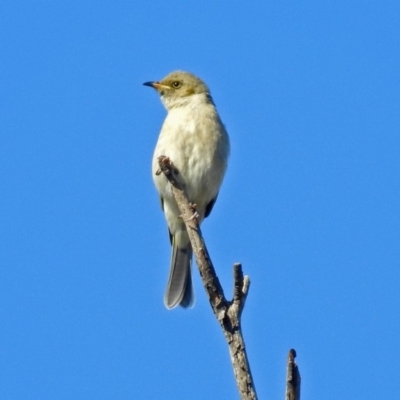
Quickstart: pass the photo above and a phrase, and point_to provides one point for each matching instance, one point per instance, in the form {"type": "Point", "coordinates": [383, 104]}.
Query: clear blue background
{"type": "Point", "coordinates": [310, 94]}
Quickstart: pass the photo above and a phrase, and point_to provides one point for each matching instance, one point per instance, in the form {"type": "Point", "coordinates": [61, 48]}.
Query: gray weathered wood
{"type": "Point", "coordinates": [228, 313]}
{"type": "Point", "coordinates": [293, 379]}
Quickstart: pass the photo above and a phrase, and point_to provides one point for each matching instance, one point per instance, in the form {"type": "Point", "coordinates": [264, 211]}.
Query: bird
{"type": "Point", "coordinates": [194, 138]}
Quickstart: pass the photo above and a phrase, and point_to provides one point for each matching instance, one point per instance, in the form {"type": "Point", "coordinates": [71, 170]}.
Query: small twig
{"type": "Point", "coordinates": [228, 313]}
{"type": "Point", "coordinates": [293, 379]}
{"type": "Point", "coordinates": [241, 286]}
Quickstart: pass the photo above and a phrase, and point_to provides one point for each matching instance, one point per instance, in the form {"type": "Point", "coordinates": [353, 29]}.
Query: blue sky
{"type": "Point", "coordinates": [310, 94]}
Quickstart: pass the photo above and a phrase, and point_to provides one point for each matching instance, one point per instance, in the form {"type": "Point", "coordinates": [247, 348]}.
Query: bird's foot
{"type": "Point", "coordinates": [194, 216]}
{"type": "Point", "coordinates": [165, 165]}
{"type": "Point", "coordinates": [195, 213]}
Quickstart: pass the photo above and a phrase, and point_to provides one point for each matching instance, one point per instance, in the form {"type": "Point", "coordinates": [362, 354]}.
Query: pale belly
{"type": "Point", "coordinates": [198, 151]}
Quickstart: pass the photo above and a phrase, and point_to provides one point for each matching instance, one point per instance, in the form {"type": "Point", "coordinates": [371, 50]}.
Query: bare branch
{"type": "Point", "coordinates": [228, 313]}
{"type": "Point", "coordinates": [293, 379]}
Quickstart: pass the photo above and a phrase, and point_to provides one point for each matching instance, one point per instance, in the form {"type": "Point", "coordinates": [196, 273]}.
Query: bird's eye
{"type": "Point", "coordinates": [176, 84]}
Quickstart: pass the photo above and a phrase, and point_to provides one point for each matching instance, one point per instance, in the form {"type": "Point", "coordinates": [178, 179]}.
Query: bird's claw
{"type": "Point", "coordinates": [195, 213]}
{"type": "Point", "coordinates": [165, 164]}
{"type": "Point", "coordinates": [194, 216]}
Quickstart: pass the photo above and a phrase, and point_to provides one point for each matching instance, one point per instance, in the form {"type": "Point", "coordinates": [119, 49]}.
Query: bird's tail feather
{"type": "Point", "coordinates": [179, 288]}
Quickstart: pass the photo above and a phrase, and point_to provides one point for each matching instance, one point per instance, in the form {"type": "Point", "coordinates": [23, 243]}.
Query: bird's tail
{"type": "Point", "coordinates": [179, 288]}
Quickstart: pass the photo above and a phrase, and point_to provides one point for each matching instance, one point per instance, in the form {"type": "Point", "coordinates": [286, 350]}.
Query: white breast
{"type": "Point", "coordinates": [194, 138]}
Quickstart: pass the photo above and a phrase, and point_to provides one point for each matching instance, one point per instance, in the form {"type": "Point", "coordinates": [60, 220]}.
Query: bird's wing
{"type": "Point", "coordinates": [210, 206]}
{"type": "Point", "coordinates": [162, 207]}
{"type": "Point", "coordinates": [171, 237]}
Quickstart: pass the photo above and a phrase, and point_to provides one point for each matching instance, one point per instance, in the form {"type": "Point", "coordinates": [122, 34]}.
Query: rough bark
{"type": "Point", "coordinates": [293, 379]}
{"type": "Point", "coordinates": [228, 313]}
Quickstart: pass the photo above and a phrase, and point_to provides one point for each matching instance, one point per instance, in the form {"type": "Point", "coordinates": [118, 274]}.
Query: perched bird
{"type": "Point", "coordinates": [195, 140]}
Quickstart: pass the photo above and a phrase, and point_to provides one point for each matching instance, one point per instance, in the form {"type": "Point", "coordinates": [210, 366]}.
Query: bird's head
{"type": "Point", "coordinates": [179, 87]}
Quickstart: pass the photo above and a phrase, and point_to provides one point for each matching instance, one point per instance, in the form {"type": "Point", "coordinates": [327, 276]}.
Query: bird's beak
{"type": "Point", "coordinates": [156, 85]}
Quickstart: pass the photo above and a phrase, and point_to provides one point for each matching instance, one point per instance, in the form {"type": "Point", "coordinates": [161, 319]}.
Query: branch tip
{"type": "Point", "coordinates": [293, 379]}
{"type": "Point", "coordinates": [237, 282]}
